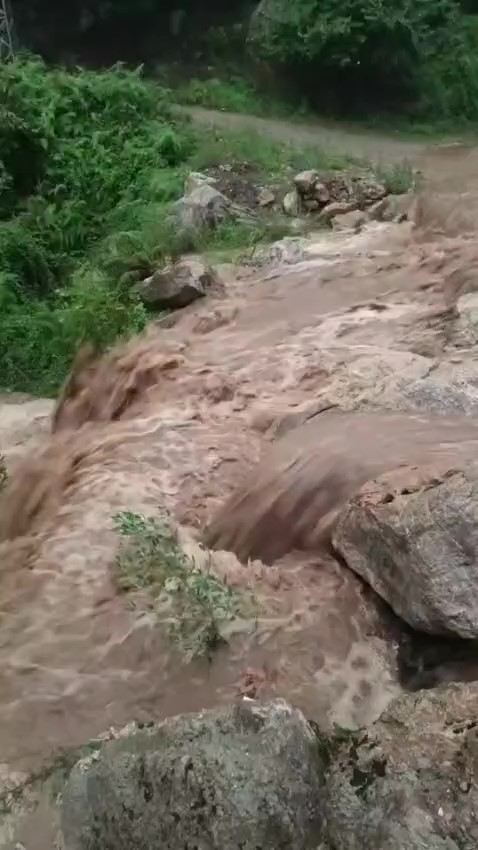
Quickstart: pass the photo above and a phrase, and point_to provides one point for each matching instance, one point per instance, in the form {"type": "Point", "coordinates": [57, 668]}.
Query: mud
{"type": "Point", "coordinates": [180, 421]}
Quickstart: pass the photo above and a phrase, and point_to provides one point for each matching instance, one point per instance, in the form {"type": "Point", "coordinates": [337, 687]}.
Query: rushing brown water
{"type": "Point", "coordinates": [182, 421]}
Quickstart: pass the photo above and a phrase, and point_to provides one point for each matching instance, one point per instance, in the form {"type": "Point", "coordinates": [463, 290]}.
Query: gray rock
{"type": "Point", "coordinates": [296, 493]}
{"type": "Point", "coordinates": [353, 220]}
{"type": "Point", "coordinates": [412, 534]}
{"type": "Point", "coordinates": [248, 776]}
{"type": "Point", "coordinates": [196, 180]}
{"type": "Point", "coordinates": [178, 284]}
{"type": "Point", "coordinates": [203, 208]}
{"type": "Point", "coordinates": [391, 208]}
{"type": "Point", "coordinates": [306, 181]}
{"type": "Point", "coordinates": [336, 208]}
{"type": "Point", "coordinates": [368, 190]}
{"type": "Point", "coordinates": [322, 193]}
{"type": "Point", "coordinates": [409, 781]}
{"type": "Point", "coordinates": [266, 197]}
{"type": "Point", "coordinates": [467, 309]}
{"type": "Point", "coordinates": [289, 250]}
{"type": "Point", "coordinates": [291, 203]}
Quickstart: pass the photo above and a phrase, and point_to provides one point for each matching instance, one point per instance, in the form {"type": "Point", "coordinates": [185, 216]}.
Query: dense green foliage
{"type": "Point", "coordinates": [89, 165]}
{"type": "Point", "coordinates": [82, 157]}
{"type": "Point", "coordinates": [417, 54]}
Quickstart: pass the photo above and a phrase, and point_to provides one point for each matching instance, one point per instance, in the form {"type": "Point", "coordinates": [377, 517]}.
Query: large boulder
{"type": "Point", "coordinates": [412, 534]}
{"type": "Point", "coordinates": [409, 781]}
{"type": "Point", "coordinates": [202, 208]}
{"type": "Point", "coordinates": [178, 284]}
{"type": "Point", "coordinates": [248, 776]}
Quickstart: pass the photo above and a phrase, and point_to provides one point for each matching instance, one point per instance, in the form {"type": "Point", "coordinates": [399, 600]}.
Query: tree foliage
{"type": "Point", "coordinates": [370, 48]}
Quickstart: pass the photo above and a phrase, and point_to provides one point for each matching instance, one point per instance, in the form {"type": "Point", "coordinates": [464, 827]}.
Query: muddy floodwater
{"type": "Point", "coordinates": [183, 420]}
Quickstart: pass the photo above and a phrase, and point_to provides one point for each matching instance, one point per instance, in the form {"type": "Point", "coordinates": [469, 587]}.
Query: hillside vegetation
{"type": "Point", "coordinates": [411, 58]}
{"type": "Point", "coordinates": [90, 163]}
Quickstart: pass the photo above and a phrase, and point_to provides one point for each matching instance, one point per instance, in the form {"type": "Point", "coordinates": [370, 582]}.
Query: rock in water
{"type": "Point", "coordinates": [248, 777]}
{"type": "Point", "coordinates": [412, 534]}
{"type": "Point", "coordinates": [178, 284]}
{"type": "Point", "coordinates": [293, 498]}
{"type": "Point", "coordinates": [409, 781]}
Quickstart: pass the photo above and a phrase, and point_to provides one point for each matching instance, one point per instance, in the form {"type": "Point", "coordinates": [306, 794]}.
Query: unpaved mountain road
{"type": "Point", "coordinates": [367, 144]}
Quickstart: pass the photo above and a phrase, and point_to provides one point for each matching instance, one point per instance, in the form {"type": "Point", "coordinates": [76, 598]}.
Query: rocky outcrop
{"type": "Point", "coordinates": [412, 534]}
{"type": "Point", "coordinates": [330, 195]}
{"type": "Point", "coordinates": [258, 775]}
{"type": "Point", "coordinates": [248, 776]}
{"type": "Point", "coordinates": [409, 781]}
{"type": "Point", "coordinates": [178, 284]}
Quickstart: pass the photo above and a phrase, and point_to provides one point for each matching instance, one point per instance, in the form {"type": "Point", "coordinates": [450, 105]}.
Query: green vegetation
{"type": "Point", "coordinates": [415, 56]}
{"type": "Point", "coordinates": [235, 94]}
{"type": "Point", "coordinates": [408, 65]}
{"type": "Point", "coordinates": [90, 163]}
{"type": "Point", "coordinates": [194, 604]}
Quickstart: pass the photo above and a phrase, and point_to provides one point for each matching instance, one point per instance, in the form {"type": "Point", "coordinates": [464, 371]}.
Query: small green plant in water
{"type": "Point", "coordinates": [197, 605]}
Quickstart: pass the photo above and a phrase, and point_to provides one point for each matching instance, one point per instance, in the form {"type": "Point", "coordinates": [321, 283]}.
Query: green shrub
{"type": "Point", "coordinates": [417, 54]}
{"type": "Point", "coordinates": [89, 215]}
{"type": "Point", "coordinates": [194, 604]}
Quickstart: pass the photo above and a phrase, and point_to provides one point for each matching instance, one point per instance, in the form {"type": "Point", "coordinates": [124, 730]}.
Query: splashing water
{"type": "Point", "coordinates": [181, 421]}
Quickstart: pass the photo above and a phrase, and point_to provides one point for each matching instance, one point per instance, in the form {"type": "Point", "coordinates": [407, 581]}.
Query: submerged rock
{"type": "Point", "coordinates": [249, 776]}
{"type": "Point", "coordinates": [353, 220]}
{"type": "Point", "coordinates": [412, 534]}
{"type": "Point", "coordinates": [409, 781]}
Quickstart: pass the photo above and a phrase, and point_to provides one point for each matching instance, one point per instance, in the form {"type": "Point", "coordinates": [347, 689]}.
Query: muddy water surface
{"type": "Point", "coordinates": [178, 421]}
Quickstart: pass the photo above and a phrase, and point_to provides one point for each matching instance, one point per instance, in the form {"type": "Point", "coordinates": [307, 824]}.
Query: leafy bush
{"type": "Point", "coordinates": [38, 339]}
{"type": "Point", "coordinates": [83, 157]}
{"type": "Point", "coordinates": [89, 165]}
{"type": "Point", "coordinates": [365, 52]}
{"type": "Point", "coordinates": [193, 603]}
